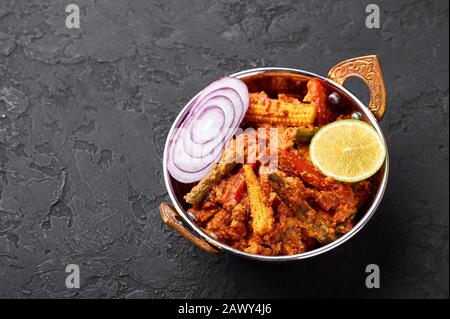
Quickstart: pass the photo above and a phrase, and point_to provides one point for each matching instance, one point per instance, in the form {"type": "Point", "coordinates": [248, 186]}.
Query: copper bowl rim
{"type": "Point", "coordinates": [315, 252]}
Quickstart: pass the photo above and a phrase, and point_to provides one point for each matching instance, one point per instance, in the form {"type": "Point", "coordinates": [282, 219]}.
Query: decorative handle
{"type": "Point", "coordinates": [171, 217]}
{"type": "Point", "coordinates": [368, 69]}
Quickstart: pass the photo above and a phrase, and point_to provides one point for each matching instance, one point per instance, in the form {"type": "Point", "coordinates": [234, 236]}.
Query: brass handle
{"type": "Point", "coordinates": [171, 217]}
{"type": "Point", "coordinates": [368, 69]}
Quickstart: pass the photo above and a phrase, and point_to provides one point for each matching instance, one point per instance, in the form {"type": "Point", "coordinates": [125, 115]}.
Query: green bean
{"type": "Point", "coordinates": [200, 190]}
{"type": "Point", "coordinates": [305, 134]}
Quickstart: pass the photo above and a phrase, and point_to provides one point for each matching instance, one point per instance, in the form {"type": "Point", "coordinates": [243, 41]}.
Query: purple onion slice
{"type": "Point", "coordinates": [213, 118]}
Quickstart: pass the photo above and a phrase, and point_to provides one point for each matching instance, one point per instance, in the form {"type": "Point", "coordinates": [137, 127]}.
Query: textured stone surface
{"type": "Point", "coordinates": [84, 115]}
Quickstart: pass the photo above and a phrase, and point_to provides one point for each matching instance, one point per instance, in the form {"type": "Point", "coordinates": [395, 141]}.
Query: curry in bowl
{"type": "Point", "coordinates": [291, 177]}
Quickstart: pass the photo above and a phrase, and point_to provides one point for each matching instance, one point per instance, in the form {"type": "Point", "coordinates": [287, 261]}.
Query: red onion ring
{"type": "Point", "coordinates": [212, 121]}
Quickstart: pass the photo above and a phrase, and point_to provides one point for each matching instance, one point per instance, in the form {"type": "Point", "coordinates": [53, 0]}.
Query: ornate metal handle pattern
{"type": "Point", "coordinates": [368, 69]}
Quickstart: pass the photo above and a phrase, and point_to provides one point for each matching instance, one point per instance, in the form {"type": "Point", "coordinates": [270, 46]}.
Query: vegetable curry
{"type": "Point", "coordinates": [283, 211]}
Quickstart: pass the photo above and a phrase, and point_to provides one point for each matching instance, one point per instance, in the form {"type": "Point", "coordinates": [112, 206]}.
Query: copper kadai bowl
{"type": "Point", "coordinates": [274, 79]}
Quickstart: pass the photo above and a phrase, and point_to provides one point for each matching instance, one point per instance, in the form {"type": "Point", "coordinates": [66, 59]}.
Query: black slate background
{"type": "Point", "coordinates": [84, 115]}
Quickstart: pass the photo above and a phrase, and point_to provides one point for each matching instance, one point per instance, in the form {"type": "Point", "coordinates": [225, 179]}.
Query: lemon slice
{"type": "Point", "coordinates": [347, 150]}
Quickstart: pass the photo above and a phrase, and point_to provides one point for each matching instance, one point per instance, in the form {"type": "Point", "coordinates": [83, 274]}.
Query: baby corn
{"type": "Point", "coordinates": [262, 216]}
{"type": "Point", "coordinates": [284, 113]}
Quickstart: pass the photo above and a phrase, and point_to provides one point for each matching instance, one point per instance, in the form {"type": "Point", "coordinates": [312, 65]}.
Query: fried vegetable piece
{"type": "Point", "coordinates": [262, 215]}
{"type": "Point", "coordinates": [342, 192]}
{"type": "Point", "coordinates": [199, 191]}
{"type": "Point", "coordinates": [305, 134]}
{"type": "Point", "coordinates": [234, 189]}
{"type": "Point", "coordinates": [202, 216]}
{"type": "Point", "coordinates": [317, 96]}
{"type": "Point", "coordinates": [263, 110]}
{"type": "Point", "coordinates": [315, 226]}
{"type": "Point", "coordinates": [292, 164]}
{"type": "Point", "coordinates": [218, 225]}
{"type": "Point", "coordinates": [218, 172]}
{"type": "Point", "coordinates": [233, 154]}
{"type": "Point", "coordinates": [229, 224]}
{"type": "Point", "coordinates": [257, 245]}
{"type": "Point", "coordinates": [362, 191]}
